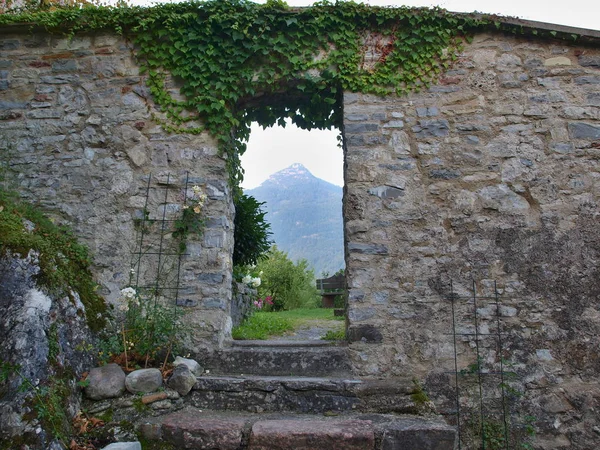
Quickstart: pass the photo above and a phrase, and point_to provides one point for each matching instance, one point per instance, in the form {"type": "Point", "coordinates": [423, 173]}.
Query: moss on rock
{"type": "Point", "coordinates": [64, 263]}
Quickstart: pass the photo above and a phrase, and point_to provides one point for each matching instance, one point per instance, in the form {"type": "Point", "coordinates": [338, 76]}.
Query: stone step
{"type": "Point", "coordinates": [292, 358]}
{"type": "Point", "coordinates": [192, 429]}
{"type": "Point", "coordinates": [255, 393]}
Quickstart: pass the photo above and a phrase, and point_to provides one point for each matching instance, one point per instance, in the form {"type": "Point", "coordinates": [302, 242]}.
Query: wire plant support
{"type": "Point", "coordinates": [157, 259]}
{"type": "Point", "coordinates": [482, 412]}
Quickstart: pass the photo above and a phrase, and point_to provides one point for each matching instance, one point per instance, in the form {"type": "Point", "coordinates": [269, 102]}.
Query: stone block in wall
{"type": "Point", "coordinates": [579, 130]}
{"type": "Point", "coordinates": [369, 334]}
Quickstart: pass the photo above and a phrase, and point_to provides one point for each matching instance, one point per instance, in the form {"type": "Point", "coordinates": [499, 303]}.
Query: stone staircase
{"type": "Point", "coordinates": [297, 395]}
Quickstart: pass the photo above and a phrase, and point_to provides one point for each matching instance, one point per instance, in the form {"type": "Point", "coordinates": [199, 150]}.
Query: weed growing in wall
{"type": "Point", "coordinates": [145, 328]}
{"type": "Point", "coordinates": [48, 401]}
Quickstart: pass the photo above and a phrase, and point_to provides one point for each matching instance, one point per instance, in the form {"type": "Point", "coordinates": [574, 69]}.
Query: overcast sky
{"type": "Point", "coordinates": [277, 148]}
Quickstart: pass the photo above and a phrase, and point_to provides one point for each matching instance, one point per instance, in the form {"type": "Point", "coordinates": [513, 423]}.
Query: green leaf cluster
{"type": "Point", "coordinates": [147, 328]}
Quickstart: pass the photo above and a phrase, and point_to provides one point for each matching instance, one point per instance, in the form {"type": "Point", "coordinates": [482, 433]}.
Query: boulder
{"type": "Point", "coordinates": [182, 380]}
{"type": "Point", "coordinates": [143, 380]}
{"type": "Point", "coordinates": [192, 364]}
{"type": "Point", "coordinates": [105, 382]}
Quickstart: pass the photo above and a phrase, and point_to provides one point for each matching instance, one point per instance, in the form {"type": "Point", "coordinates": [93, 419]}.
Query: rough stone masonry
{"type": "Point", "coordinates": [490, 175]}
{"type": "Point", "coordinates": [80, 138]}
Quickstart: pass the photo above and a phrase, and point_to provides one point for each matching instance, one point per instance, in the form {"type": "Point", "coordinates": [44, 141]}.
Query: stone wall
{"type": "Point", "coordinates": [81, 139]}
{"type": "Point", "coordinates": [491, 175]}
{"type": "Point", "coordinates": [241, 302]}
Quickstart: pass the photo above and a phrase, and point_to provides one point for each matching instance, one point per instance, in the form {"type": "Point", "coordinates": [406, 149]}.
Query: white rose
{"type": "Point", "coordinates": [128, 293]}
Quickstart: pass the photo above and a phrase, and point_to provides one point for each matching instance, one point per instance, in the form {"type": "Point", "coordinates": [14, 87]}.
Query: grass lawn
{"type": "Point", "coordinates": [262, 325]}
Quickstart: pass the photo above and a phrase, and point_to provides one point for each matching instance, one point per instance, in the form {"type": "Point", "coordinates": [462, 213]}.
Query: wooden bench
{"type": "Point", "coordinates": [330, 288]}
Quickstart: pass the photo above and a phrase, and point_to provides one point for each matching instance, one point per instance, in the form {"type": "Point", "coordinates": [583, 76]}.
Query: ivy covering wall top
{"type": "Point", "coordinates": [236, 61]}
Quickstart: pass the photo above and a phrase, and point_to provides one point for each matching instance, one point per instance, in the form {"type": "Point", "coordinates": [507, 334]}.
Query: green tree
{"type": "Point", "coordinates": [251, 233]}
{"type": "Point", "coordinates": [289, 285]}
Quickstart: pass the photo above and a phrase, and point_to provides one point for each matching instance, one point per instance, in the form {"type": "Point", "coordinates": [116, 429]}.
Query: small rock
{"type": "Point", "coordinates": [143, 381]}
{"type": "Point", "coordinates": [162, 405]}
{"type": "Point", "coordinates": [124, 446]}
{"type": "Point", "coordinates": [172, 395]}
{"type": "Point", "coordinates": [105, 382]}
{"type": "Point", "coordinates": [154, 397]}
{"type": "Point", "coordinates": [28, 225]}
{"type": "Point", "coordinates": [192, 364]}
{"type": "Point", "coordinates": [182, 379]}
{"type": "Point", "coordinates": [544, 354]}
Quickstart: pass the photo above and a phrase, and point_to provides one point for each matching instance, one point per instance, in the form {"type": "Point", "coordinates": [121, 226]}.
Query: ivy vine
{"type": "Point", "coordinates": [235, 61]}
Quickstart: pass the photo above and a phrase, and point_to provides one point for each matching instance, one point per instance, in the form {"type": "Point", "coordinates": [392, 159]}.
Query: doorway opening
{"type": "Point", "coordinates": [297, 176]}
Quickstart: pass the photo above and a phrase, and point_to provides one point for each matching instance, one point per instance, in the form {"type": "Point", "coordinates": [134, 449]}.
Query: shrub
{"type": "Point", "coordinates": [251, 233]}
{"type": "Point", "coordinates": [289, 285]}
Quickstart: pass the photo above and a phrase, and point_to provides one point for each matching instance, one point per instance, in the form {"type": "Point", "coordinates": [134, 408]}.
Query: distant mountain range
{"type": "Point", "coordinates": [305, 214]}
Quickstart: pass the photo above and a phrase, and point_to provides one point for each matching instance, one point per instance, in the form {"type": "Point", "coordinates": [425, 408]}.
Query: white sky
{"type": "Point", "coordinates": [276, 148]}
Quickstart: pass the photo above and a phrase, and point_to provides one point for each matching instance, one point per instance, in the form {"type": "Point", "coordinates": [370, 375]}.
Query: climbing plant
{"type": "Point", "coordinates": [221, 64]}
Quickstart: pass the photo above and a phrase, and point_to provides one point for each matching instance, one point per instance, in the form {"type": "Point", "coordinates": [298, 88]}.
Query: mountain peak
{"type": "Point", "coordinates": [305, 213]}
{"type": "Point", "coordinates": [295, 172]}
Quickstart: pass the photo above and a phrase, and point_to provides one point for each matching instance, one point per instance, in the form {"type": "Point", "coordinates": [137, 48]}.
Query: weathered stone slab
{"type": "Point", "coordinates": [416, 433]}
{"type": "Point", "coordinates": [361, 127]}
{"type": "Point", "coordinates": [431, 128]}
{"type": "Point", "coordinates": [589, 61]}
{"type": "Point", "coordinates": [558, 61]}
{"type": "Point", "coordinates": [272, 360]}
{"type": "Point", "coordinates": [368, 249]}
{"type": "Point", "coordinates": [312, 434]}
{"type": "Point", "coordinates": [387, 191]}
{"type": "Point", "coordinates": [444, 174]}
{"type": "Point", "coordinates": [252, 393]}
{"type": "Point", "coordinates": [191, 431]}
{"type": "Point", "coordinates": [588, 79]}
{"type": "Point", "coordinates": [364, 333]}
